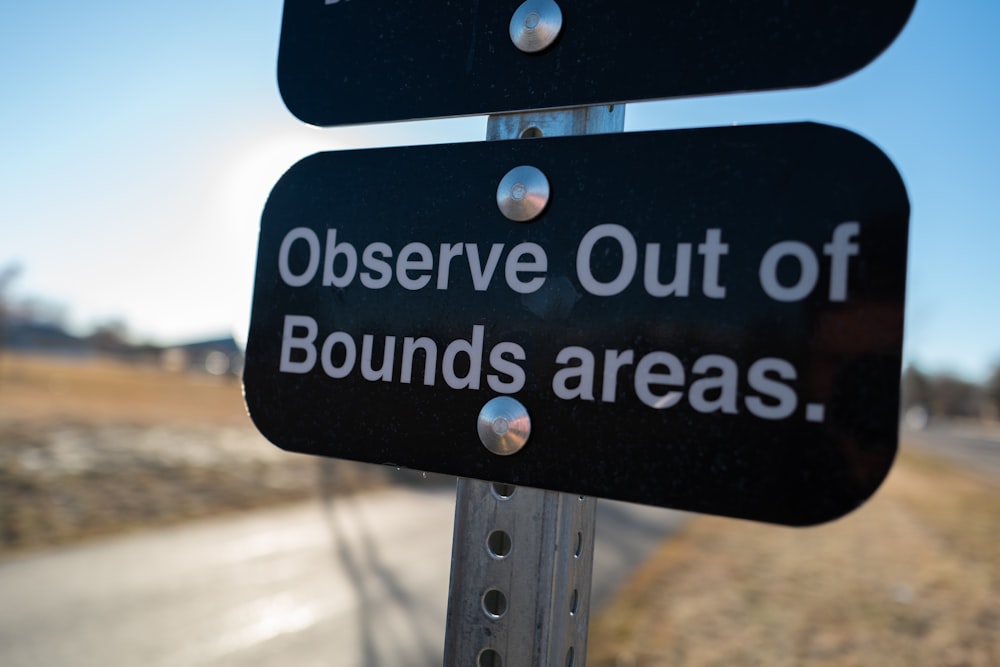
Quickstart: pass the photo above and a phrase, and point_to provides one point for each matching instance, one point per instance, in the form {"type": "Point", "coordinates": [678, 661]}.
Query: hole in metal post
{"type": "Point", "coordinates": [531, 132]}
{"type": "Point", "coordinates": [578, 547]}
{"type": "Point", "coordinates": [574, 600]}
{"type": "Point", "coordinates": [499, 543]}
{"type": "Point", "coordinates": [503, 491]}
{"type": "Point", "coordinates": [494, 603]}
{"type": "Point", "coordinates": [489, 658]}
{"type": "Point", "coordinates": [570, 655]}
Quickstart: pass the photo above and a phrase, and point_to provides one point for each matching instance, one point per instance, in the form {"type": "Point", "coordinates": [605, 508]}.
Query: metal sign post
{"type": "Point", "coordinates": [522, 558]}
{"type": "Point", "coordinates": [520, 577]}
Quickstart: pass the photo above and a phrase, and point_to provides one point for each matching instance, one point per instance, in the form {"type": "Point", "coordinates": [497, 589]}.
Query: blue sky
{"type": "Point", "coordinates": [138, 142]}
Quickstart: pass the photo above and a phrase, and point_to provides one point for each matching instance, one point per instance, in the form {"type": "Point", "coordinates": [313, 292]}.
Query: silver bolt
{"type": "Point", "coordinates": [535, 25]}
{"type": "Point", "coordinates": [523, 193]}
{"type": "Point", "coordinates": [504, 425]}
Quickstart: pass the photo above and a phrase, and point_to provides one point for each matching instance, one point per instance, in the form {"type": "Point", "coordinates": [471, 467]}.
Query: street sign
{"type": "Point", "coordinates": [706, 319]}
{"type": "Point", "coordinates": [359, 61]}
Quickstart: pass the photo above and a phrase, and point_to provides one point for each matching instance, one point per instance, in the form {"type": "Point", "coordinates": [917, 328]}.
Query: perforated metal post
{"type": "Point", "coordinates": [522, 558]}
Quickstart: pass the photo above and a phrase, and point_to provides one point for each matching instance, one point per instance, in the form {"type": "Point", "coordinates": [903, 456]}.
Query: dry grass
{"type": "Point", "coordinates": [92, 447]}
{"type": "Point", "coordinates": [101, 390]}
{"type": "Point", "coordinates": [912, 578]}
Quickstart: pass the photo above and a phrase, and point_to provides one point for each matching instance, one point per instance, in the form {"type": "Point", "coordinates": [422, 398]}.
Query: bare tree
{"type": "Point", "coordinates": [8, 274]}
{"type": "Point", "coordinates": [945, 395]}
{"type": "Point", "coordinates": [954, 397]}
{"type": "Point", "coordinates": [992, 391]}
{"type": "Point", "coordinates": [916, 389]}
{"type": "Point", "coordinates": [110, 336]}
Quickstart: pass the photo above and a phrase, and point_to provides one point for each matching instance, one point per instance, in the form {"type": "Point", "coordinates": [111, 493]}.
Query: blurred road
{"type": "Point", "coordinates": [353, 582]}
{"type": "Point", "coordinates": [966, 443]}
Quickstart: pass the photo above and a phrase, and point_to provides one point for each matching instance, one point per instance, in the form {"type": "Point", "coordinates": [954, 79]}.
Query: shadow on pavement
{"type": "Point", "coordinates": [391, 618]}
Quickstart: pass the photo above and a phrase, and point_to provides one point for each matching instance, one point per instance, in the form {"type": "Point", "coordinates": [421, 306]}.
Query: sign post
{"type": "Point", "coordinates": [521, 557]}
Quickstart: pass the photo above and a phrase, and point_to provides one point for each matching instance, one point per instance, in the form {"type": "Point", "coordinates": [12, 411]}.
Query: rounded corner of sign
{"type": "Point", "coordinates": [867, 60]}
{"type": "Point", "coordinates": [258, 417]}
{"type": "Point", "coordinates": [877, 481]}
{"type": "Point", "coordinates": [290, 172]}
{"type": "Point", "coordinates": [864, 142]}
{"type": "Point", "coordinates": [250, 405]}
{"type": "Point", "coordinates": [910, 6]}
{"type": "Point", "coordinates": [300, 114]}
{"type": "Point", "coordinates": [291, 96]}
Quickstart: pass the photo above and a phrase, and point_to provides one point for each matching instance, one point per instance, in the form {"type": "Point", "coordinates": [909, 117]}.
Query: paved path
{"type": "Point", "coordinates": [356, 582]}
{"type": "Point", "coordinates": [967, 443]}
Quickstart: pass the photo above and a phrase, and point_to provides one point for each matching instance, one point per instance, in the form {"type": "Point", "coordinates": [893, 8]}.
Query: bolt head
{"type": "Point", "coordinates": [504, 426]}
{"type": "Point", "coordinates": [535, 25]}
{"type": "Point", "coordinates": [523, 193]}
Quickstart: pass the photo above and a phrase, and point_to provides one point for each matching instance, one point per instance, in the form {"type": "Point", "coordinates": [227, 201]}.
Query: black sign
{"type": "Point", "coordinates": [704, 319]}
{"type": "Point", "coordinates": [360, 61]}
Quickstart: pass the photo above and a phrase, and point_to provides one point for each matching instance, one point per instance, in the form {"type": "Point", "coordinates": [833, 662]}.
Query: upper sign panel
{"type": "Point", "coordinates": [361, 61]}
{"type": "Point", "coordinates": [705, 319]}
